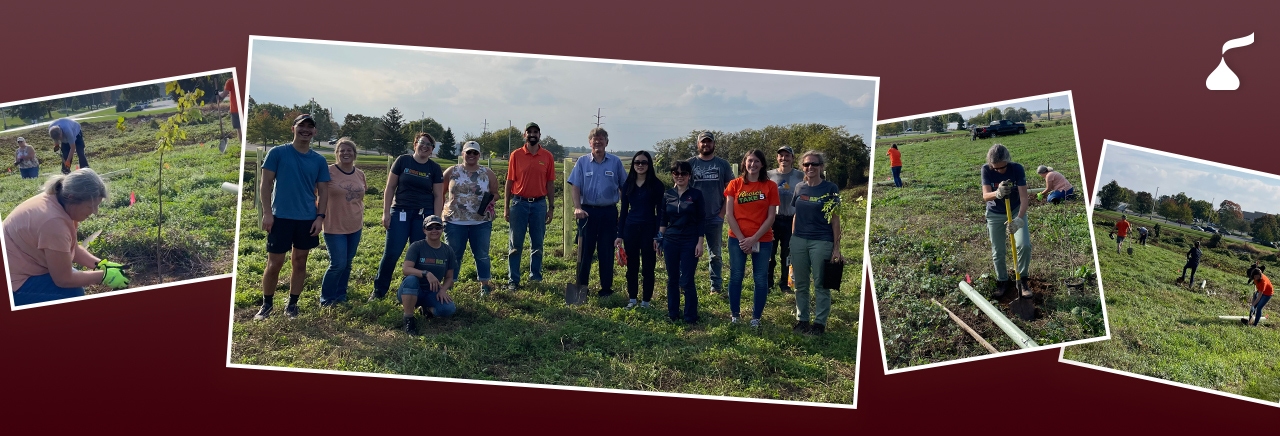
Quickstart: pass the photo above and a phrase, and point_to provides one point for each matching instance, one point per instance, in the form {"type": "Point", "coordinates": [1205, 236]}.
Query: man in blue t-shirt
{"type": "Point", "coordinates": [66, 131]}
{"type": "Point", "coordinates": [1004, 180]}
{"type": "Point", "coordinates": [295, 180]}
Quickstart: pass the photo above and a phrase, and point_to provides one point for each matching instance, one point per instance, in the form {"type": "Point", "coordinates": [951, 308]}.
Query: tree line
{"type": "Point", "coordinates": [847, 156]}
{"type": "Point", "coordinates": [1180, 207]}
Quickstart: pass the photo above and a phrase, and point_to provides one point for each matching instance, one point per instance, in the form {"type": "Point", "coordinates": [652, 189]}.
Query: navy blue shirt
{"type": "Point", "coordinates": [992, 178]}
{"type": "Point", "coordinates": [683, 214]}
{"type": "Point", "coordinates": [642, 207]}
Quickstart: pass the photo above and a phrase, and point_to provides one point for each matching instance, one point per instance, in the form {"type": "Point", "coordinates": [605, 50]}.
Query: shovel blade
{"type": "Point", "coordinates": [574, 294]}
{"type": "Point", "coordinates": [1024, 307]}
{"type": "Point", "coordinates": [222, 145]}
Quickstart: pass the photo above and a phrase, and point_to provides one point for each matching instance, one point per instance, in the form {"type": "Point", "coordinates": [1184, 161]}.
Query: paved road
{"type": "Point", "coordinates": [1165, 222]}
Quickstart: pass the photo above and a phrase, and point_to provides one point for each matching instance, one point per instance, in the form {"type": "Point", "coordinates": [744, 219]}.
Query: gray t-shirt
{"type": "Point", "coordinates": [811, 221]}
{"type": "Point", "coordinates": [436, 261]}
{"type": "Point", "coordinates": [786, 189]}
{"type": "Point", "coordinates": [711, 178]}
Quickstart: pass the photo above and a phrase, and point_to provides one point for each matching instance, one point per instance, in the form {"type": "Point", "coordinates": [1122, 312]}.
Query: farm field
{"type": "Point", "coordinates": [531, 336]}
{"type": "Point", "coordinates": [930, 235]}
{"type": "Point", "coordinates": [199, 216]}
{"type": "Point", "coordinates": [1172, 332]}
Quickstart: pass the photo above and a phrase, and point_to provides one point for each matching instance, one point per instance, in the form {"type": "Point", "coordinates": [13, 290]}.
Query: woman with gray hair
{"type": "Point", "coordinates": [1056, 186]}
{"type": "Point", "coordinates": [1004, 188]}
{"type": "Point", "coordinates": [40, 241]}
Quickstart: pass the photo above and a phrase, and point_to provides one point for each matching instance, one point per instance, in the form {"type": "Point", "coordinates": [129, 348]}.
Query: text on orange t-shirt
{"type": "Point", "coordinates": [751, 205]}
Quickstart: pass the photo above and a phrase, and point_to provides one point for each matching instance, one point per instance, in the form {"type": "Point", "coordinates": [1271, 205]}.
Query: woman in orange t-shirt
{"type": "Point", "coordinates": [751, 202]}
{"type": "Point", "coordinates": [895, 164]}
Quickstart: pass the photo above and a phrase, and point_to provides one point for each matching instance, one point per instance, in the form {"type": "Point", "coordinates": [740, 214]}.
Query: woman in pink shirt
{"type": "Point", "coordinates": [343, 221]}
{"type": "Point", "coordinates": [40, 241]}
{"type": "Point", "coordinates": [1056, 187]}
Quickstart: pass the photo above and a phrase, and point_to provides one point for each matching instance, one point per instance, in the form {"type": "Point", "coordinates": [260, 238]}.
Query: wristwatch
{"type": "Point", "coordinates": [320, 215]}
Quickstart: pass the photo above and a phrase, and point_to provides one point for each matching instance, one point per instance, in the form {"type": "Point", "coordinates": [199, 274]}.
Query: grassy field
{"type": "Point", "coordinates": [15, 122]}
{"type": "Point", "coordinates": [1172, 332]}
{"type": "Point", "coordinates": [199, 216]}
{"type": "Point", "coordinates": [531, 336]}
{"type": "Point", "coordinates": [926, 237]}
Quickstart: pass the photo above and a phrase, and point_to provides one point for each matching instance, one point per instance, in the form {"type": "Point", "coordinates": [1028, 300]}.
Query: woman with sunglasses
{"type": "Point", "coordinates": [751, 202]}
{"type": "Point", "coordinates": [815, 238]}
{"type": "Point", "coordinates": [469, 212]}
{"type": "Point", "coordinates": [681, 238]}
{"type": "Point", "coordinates": [344, 221]}
{"type": "Point", "coordinates": [429, 269]}
{"type": "Point", "coordinates": [28, 165]}
{"type": "Point", "coordinates": [1005, 180]}
{"type": "Point", "coordinates": [415, 189]}
{"type": "Point", "coordinates": [638, 220]}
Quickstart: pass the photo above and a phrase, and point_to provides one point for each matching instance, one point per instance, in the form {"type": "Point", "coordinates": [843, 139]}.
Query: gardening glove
{"type": "Point", "coordinates": [115, 278]}
{"type": "Point", "coordinates": [1016, 224]}
{"type": "Point", "coordinates": [1006, 188]}
{"type": "Point", "coordinates": [103, 264]}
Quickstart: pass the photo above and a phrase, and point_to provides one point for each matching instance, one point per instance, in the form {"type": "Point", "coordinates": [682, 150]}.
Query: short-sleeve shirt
{"type": "Point", "coordinates": [1264, 285]}
{"type": "Point", "coordinates": [436, 261]}
{"type": "Point", "coordinates": [1142, 231]}
{"type": "Point", "coordinates": [346, 202]}
{"type": "Point", "coordinates": [70, 129]}
{"type": "Point", "coordinates": [530, 172]}
{"type": "Point", "coordinates": [1122, 228]}
{"type": "Point", "coordinates": [992, 179]}
{"type": "Point", "coordinates": [600, 181]}
{"type": "Point", "coordinates": [895, 157]}
{"type": "Point", "coordinates": [416, 186]}
{"type": "Point", "coordinates": [39, 223]}
{"type": "Point", "coordinates": [297, 174]}
{"type": "Point", "coordinates": [751, 204]}
{"type": "Point", "coordinates": [811, 222]}
{"type": "Point", "coordinates": [1055, 181]}
{"type": "Point", "coordinates": [230, 87]}
{"type": "Point", "coordinates": [786, 189]}
{"type": "Point", "coordinates": [711, 177]}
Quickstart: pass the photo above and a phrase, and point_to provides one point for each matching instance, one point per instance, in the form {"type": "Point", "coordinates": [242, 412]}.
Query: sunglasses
{"type": "Point", "coordinates": [640, 162]}
{"type": "Point", "coordinates": [470, 152]}
{"type": "Point", "coordinates": [1000, 168]}
{"type": "Point", "coordinates": [433, 228]}
{"type": "Point", "coordinates": [679, 174]}
{"type": "Point", "coordinates": [812, 164]}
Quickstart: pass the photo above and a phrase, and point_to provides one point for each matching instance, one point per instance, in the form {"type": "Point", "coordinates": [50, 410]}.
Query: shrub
{"type": "Point", "coordinates": [1214, 241]}
{"type": "Point", "coordinates": [123, 105]}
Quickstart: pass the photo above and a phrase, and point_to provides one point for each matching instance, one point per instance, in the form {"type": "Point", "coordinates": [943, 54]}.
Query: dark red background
{"type": "Point", "coordinates": [155, 360]}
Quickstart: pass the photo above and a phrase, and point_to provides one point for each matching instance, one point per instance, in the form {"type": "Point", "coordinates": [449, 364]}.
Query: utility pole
{"type": "Point", "coordinates": [510, 127]}
{"type": "Point", "coordinates": [1048, 110]}
{"type": "Point", "coordinates": [598, 117]}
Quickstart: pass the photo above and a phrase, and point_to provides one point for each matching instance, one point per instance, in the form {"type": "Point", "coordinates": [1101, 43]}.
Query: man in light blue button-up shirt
{"type": "Point", "coordinates": [597, 180]}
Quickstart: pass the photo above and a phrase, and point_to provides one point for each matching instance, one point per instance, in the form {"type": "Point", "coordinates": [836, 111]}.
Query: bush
{"type": "Point", "coordinates": [1156, 229]}
{"type": "Point", "coordinates": [1214, 241]}
{"type": "Point", "coordinates": [123, 105]}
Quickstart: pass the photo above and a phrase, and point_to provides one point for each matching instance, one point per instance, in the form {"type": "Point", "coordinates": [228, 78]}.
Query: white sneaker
{"type": "Point", "coordinates": [631, 304]}
{"type": "Point", "coordinates": [755, 323]}
{"type": "Point", "coordinates": [645, 304]}
{"type": "Point", "coordinates": [733, 320]}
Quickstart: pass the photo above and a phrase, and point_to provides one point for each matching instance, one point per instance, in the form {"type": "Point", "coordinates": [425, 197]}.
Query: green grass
{"type": "Point", "coordinates": [1167, 331]}
{"type": "Point", "coordinates": [15, 122]}
{"type": "Point", "coordinates": [199, 217]}
{"type": "Point", "coordinates": [531, 336]}
{"type": "Point", "coordinates": [926, 237]}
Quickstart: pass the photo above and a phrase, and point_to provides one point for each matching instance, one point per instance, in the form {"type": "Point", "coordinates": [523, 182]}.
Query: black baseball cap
{"type": "Point", "coordinates": [532, 125]}
{"type": "Point", "coordinates": [303, 117]}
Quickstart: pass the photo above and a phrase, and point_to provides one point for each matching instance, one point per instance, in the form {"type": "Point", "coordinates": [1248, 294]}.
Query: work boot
{"type": "Point", "coordinates": [801, 327]}
{"type": "Point", "coordinates": [817, 329]}
{"type": "Point", "coordinates": [1001, 286]}
{"type": "Point", "coordinates": [410, 325]}
{"type": "Point", "coordinates": [1025, 287]}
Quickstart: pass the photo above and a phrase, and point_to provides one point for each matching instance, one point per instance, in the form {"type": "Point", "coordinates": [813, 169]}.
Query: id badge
{"type": "Point", "coordinates": [403, 217]}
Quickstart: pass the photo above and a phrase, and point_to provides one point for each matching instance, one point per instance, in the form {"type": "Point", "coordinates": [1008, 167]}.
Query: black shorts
{"type": "Point", "coordinates": [235, 121]}
{"type": "Point", "coordinates": [286, 234]}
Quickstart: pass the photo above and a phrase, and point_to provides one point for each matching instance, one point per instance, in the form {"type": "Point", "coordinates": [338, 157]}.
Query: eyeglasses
{"type": "Point", "coordinates": [640, 162]}
{"type": "Point", "coordinates": [679, 174]}
{"type": "Point", "coordinates": [1000, 168]}
{"type": "Point", "coordinates": [434, 228]}
{"type": "Point", "coordinates": [470, 152]}
{"type": "Point", "coordinates": [812, 164]}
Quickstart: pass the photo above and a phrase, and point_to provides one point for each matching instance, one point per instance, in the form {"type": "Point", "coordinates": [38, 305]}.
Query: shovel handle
{"type": "Point", "coordinates": [1012, 243]}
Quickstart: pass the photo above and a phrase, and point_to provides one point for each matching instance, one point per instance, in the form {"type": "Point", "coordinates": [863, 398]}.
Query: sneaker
{"type": "Point", "coordinates": [817, 329]}
{"type": "Point", "coordinates": [801, 327]}
{"type": "Point", "coordinates": [411, 326]}
{"type": "Point", "coordinates": [485, 290]}
{"type": "Point", "coordinates": [263, 313]}
{"type": "Point", "coordinates": [755, 323]}
{"type": "Point", "coordinates": [375, 295]}
{"type": "Point", "coordinates": [645, 304]}
{"type": "Point", "coordinates": [1025, 286]}
{"type": "Point", "coordinates": [291, 310]}
{"type": "Point", "coordinates": [604, 293]}
{"type": "Point", "coordinates": [512, 287]}
{"type": "Point", "coordinates": [631, 304]}
{"type": "Point", "coordinates": [733, 320]}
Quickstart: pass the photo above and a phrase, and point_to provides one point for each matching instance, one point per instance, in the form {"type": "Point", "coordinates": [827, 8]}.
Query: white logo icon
{"type": "Point", "coordinates": [1222, 78]}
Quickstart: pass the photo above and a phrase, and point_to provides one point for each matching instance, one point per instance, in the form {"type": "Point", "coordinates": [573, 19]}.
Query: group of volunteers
{"type": "Point", "coordinates": [437, 212]}
{"type": "Point", "coordinates": [65, 134]}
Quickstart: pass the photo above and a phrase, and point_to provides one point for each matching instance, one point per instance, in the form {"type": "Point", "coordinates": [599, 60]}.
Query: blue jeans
{"type": "Point", "coordinates": [759, 277]}
{"type": "Point", "coordinates": [399, 234]}
{"type": "Point", "coordinates": [412, 286]}
{"type": "Point", "coordinates": [66, 154]}
{"type": "Point", "coordinates": [1257, 307]}
{"type": "Point", "coordinates": [457, 236]}
{"type": "Point", "coordinates": [713, 230]}
{"type": "Point", "coordinates": [897, 176]}
{"type": "Point", "coordinates": [1058, 196]}
{"type": "Point", "coordinates": [531, 216]}
{"type": "Point", "coordinates": [680, 268]}
{"type": "Point", "coordinates": [29, 173]}
{"type": "Point", "coordinates": [342, 249]}
{"type": "Point", "coordinates": [38, 289]}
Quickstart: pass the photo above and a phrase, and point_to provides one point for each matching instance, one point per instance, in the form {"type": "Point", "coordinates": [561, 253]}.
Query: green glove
{"type": "Point", "coordinates": [115, 278]}
{"type": "Point", "coordinates": [108, 264]}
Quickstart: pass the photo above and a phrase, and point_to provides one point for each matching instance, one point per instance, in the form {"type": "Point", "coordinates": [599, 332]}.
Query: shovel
{"type": "Point", "coordinates": [90, 239]}
{"type": "Point", "coordinates": [222, 144]}
{"type": "Point", "coordinates": [575, 294]}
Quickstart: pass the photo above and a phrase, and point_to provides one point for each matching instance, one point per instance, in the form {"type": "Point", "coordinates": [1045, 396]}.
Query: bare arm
{"type": "Point", "coordinates": [1024, 203]}
{"type": "Point", "coordinates": [389, 194]}
{"type": "Point", "coordinates": [438, 189]}
{"type": "Point", "coordinates": [84, 257]}
{"type": "Point", "coordinates": [266, 189]}
{"type": "Point", "coordinates": [64, 276]}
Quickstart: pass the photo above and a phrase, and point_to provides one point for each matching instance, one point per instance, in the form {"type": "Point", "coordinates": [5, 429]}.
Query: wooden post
{"type": "Point", "coordinates": [735, 171]}
{"type": "Point", "coordinates": [568, 220]}
{"type": "Point", "coordinates": [257, 182]}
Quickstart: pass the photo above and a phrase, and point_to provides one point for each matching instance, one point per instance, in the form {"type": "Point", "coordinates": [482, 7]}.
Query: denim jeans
{"type": "Point", "coordinates": [713, 230]}
{"type": "Point", "coordinates": [399, 234]}
{"type": "Point", "coordinates": [599, 230]}
{"type": "Point", "coordinates": [66, 154]}
{"type": "Point", "coordinates": [1000, 245]}
{"type": "Point", "coordinates": [412, 286]}
{"type": "Point", "coordinates": [779, 256]}
{"type": "Point", "coordinates": [807, 256]}
{"type": "Point", "coordinates": [1257, 308]}
{"type": "Point", "coordinates": [29, 173]}
{"type": "Point", "coordinates": [759, 277]}
{"type": "Point", "coordinates": [342, 249]}
{"type": "Point", "coordinates": [38, 289]}
{"type": "Point", "coordinates": [457, 236]}
{"type": "Point", "coordinates": [531, 216]}
{"type": "Point", "coordinates": [1058, 196]}
{"type": "Point", "coordinates": [681, 265]}
{"type": "Point", "coordinates": [897, 176]}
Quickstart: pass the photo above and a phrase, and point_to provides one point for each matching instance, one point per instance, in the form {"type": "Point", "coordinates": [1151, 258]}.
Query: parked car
{"type": "Point", "coordinates": [135, 108]}
{"type": "Point", "coordinates": [997, 128]}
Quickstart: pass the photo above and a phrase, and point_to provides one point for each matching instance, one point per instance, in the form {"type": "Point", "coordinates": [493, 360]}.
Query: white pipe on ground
{"type": "Point", "coordinates": [1016, 334]}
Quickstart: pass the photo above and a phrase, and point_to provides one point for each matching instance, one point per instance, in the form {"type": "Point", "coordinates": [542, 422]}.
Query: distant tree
{"type": "Point", "coordinates": [1143, 203]}
{"type": "Point", "coordinates": [361, 129]}
{"type": "Point", "coordinates": [890, 129]}
{"type": "Point", "coordinates": [1172, 210]}
{"type": "Point", "coordinates": [1111, 195]}
{"type": "Point", "coordinates": [266, 129]}
{"type": "Point", "coordinates": [953, 117]}
{"type": "Point", "coordinates": [1010, 113]}
{"type": "Point", "coordinates": [1231, 217]}
{"type": "Point", "coordinates": [1266, 228]}
{"type": "Point", "coordinates": [1024, 115]}
{"type": "Point", "coordinates": [448, 145]}
{"type": "Point", "coordinates": [325, 126]}
{"type": "Point", "coordinates": [429, 125]}
{"type": "Point", "coordinates": [389, 138]}
{"type": "Point", "coordinates": [1182, 198]}
{"type": "Point", "coordinates": [553, 146]}
{"type": "Point", "coordinates": [30, 111]}
{"type": "Point", "coordinates": [144, 93]}
{"type": "Point", "coordinates": [1202, 210]}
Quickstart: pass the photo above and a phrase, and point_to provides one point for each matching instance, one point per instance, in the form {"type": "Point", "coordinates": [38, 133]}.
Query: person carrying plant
{"type": "Point", "coordinates": [40, 241]}
{"type": "Point", "coordinates": [469, 211]}
{"type": "Point", "coordinates": [429, 269]}
{"type": "Point", "coordinates": [294, 190]}
{"type": "Point", "coordinates": [28, 165]}
{"type": "Point", "coordinates": [1122, 230]}
{"type": "Point", "coordinates": [1260, 297]}
{"type": "Point", "coordinates": [751, 201]}
{"type": "Point", "coordinates": [415, 189]}
{"type": "Point", "coordinates": [787, 179]}
{"type": "Point", "coordinates": [66, 131]}
{"type": "Point", "coordinates": [1004, 180]}
{"type": "Point", "coordinates": [1056, 186]}
{"type": "Point", "coordinates": [597, 180]}
{"type": "Point", "coordinates": [344, 222]}
{"type": "Point", "coordinates": [638, 222]}
{"type": "Point", "coordinates": [680, 236]}
{"type": "Point", "coordinates": [815, 240]}
{"type": "Point", "coordinates": [895, 164]}
{"type": "Point", "coordinates": [1193, 262]}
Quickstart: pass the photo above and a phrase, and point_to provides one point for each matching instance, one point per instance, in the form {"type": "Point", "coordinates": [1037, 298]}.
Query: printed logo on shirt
{"type": "Point", "coordinates": [430, 261]}
{"type": "Point", "coordinates": [750, 196]}
{"type": "Point", "coordinates": [413, 172]}
{"type": "Point", "coordinates": [819, 199]}
{"type": "Point", "coordinates": [608, 173]}
{"type": "Point", "coordinates": [706, 173]}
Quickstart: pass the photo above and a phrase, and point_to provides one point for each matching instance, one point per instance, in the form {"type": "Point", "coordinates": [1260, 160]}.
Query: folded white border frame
{"type": "Point", "coordinates": [235, 269]}
{"type": "Point", "coordinates": [1102, 159]}
{"type": "Point", "coordinates": [1075, 126]}
{"type": "Point", "coordinates": [235, 82]}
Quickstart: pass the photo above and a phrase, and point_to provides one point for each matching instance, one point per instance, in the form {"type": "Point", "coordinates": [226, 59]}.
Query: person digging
{"type": "Point", "coordinates": [1004, 188]}
{"type": "Point", "coordinates": [1260, 297]}
{"type": "Point", "coordinates": [1193, 263]}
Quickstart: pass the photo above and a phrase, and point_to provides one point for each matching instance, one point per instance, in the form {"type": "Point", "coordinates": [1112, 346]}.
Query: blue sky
{"type": "Point", "coordinates": [1142, 170]}
{"type": "Point", "coordinates": [641, 104]}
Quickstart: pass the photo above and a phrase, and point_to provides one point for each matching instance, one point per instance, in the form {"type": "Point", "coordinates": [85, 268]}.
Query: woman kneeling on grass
{"type": "Point", "coordinates": [681, 238]}
{"type": "Point", "coordinates": [468, 212]}
{"type": "Point", "coordinates": [638, 220]}
{"type": "Point", "coordinates": [750, 202]}
{"type": "Point", "coordinates": [40, 241]}
{"type": "Point", "coordinates": [1003, 180]}
{"type": "Point", "coordinates": [814, 239]}
{"type": "Point", "coordinates": [1056, 186]}
{"type": "Point", "coordinates": [429, 269]}
{"type": "Point", "coordinates": [345, 220]}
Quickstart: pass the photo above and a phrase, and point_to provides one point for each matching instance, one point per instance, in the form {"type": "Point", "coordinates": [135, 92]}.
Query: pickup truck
{"type": "Point", "coordinates": [996, 128]}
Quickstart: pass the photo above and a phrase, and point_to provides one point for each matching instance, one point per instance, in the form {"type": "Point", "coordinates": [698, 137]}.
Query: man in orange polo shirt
{"type": "Point", "coordinates": [531, 174]}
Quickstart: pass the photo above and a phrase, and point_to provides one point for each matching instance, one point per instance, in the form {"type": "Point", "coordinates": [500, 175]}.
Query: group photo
{"type": "Point", "coordinates": [506, 218]}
